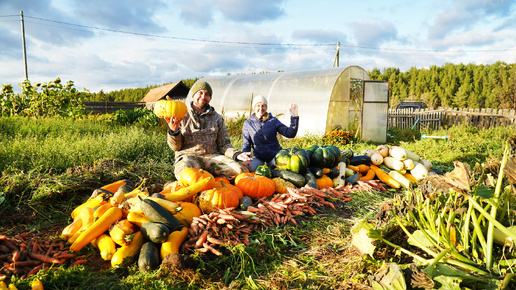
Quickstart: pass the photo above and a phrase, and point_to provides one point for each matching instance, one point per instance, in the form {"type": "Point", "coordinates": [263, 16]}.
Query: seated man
{"type": "Point", "coordinates": [200, 140]}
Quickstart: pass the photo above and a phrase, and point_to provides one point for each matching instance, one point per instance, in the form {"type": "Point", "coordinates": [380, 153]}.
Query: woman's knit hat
{"type": "Point", "coordinates": [259, 99]}
{"type": "Point", "coordinates": [199, 86]}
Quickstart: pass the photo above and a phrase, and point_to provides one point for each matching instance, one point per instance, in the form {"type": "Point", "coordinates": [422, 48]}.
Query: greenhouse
{"type": "Point", "coordinates": [326, 98]}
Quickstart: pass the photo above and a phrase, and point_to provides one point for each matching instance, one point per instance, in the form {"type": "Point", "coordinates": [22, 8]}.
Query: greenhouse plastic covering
{"type": "Point", "coordinates": [323, 96]}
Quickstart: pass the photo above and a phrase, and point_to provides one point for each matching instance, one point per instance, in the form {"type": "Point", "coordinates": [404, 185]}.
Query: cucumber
{"type": "Point", "coordinates": [311, 181]}
{"type": "Point", "coordinates": [296, 179]}
{"type": "Point", "coordinates": [317, 172]}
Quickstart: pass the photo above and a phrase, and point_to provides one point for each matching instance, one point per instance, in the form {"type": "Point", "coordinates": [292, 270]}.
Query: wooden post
{"type": "Point", "coordinates": [24, 47]}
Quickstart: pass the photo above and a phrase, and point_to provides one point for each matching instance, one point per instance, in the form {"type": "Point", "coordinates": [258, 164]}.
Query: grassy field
{"type": "Point", "coordinates": [49, 166]}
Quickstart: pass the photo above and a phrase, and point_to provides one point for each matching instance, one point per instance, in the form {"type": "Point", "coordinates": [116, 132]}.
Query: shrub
{"type": "Point", "coordinates": [338, 137]}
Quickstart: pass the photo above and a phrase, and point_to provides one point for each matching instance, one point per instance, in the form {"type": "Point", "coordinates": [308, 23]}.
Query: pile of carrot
{"type": "Point", "coordinates": [230, 226]}
{"type": "Point", "coordinates": [363, 185]}
{"type": "Point", "coordinates": [24, 256]}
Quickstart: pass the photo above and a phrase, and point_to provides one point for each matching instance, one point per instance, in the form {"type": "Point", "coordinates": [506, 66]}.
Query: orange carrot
{"type": "Point", "coordinates": [202, 239]}
{"type": "Point", "coordinates": [78, 262]}
{"type": "Point", "coordinates": [65, 255]}
{"type": "Point", "coordinates": [34, 270]}
{"type": "Point", "coordinates": [213, 240]}
{"type": "Point", "coordinates": [212, 249]}
{"type": "Point", "coordinates": [43, 258]}
{"type": "Point", "coordinates": [27, 263]}
{"type": "Point", "coordinates": [16, 256]}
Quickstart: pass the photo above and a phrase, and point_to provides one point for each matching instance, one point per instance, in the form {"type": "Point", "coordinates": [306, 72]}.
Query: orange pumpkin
{"type": "Point", "coordinates": [221, 178]}
{"type": "Point", "coordinates": [219, 197]}
{"type": "Point", "coordinates": [191, 176]}
{"type": "Point", "coordinates": [255, 186]}
{"type": "Point", "coordinates": [170, 109]}
{"type": "Point", "coordinates": [324, 182]}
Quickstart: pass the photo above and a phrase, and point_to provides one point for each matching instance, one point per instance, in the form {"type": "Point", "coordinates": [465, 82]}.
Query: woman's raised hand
{"type": "Point", "coordinates": [293, 110]}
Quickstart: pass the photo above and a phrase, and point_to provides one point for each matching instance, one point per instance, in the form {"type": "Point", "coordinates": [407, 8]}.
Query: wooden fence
{"type": "Point", "coordinates": [111, 107]}
{"type": "Point", "coordinates": [436, 119]}
{"type": "Point", "coordinates": [419, 119]}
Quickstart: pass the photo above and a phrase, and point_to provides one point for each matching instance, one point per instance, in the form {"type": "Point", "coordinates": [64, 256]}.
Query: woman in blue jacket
{"type": "Point", "coordinates": [260, 133]}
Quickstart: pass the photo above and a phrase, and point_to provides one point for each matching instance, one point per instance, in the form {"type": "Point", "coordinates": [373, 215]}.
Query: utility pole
{"type": "Point", "coordinates": [24, 48]}
{"type": "Point", "coordinates": [336, 60]}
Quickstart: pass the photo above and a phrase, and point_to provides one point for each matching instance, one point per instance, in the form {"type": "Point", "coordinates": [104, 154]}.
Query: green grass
{"type": "Point", "coordinates": [49, 166]}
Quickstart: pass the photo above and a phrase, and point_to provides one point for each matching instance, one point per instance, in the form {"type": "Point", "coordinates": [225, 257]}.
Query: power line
{"type": "Point", "coordinates": [183, 38]}
{"type": "Point", "coordinates": [392, 50]}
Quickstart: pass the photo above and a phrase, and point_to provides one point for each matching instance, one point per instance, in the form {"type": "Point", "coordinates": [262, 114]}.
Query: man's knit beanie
{"type": "Point", "coordinates": [200, 85]}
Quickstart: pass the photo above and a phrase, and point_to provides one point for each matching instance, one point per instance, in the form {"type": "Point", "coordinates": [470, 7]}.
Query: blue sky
{"type": "Point", "coordinates": [115, 44]}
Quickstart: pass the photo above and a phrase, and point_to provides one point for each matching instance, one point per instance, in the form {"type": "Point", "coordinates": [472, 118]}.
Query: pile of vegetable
{"type": "Point", "coordinates": [200, 212]}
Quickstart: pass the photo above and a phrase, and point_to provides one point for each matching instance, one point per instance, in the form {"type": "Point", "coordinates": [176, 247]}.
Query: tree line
{"type": "Point", "coordinates": [451, 85]}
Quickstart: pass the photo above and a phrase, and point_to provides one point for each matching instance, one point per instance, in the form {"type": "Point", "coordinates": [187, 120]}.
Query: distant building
{"type": "Point", "coordinates": [176, 91]}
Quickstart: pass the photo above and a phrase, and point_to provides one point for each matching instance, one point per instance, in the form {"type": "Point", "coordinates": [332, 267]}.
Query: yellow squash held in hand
{"type": "Point", "coordinates": [170, 109]}
{"type": "Point", "coordinates": [188, 192]}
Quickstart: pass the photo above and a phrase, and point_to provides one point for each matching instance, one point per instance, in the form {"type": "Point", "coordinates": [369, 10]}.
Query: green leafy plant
{"type": "Point", "coordinates": [141, 116]}
{"type": "Point", "coordinates": [42, 100]}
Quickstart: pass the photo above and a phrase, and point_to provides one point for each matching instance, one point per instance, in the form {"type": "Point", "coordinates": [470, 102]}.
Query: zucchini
{"type": "Point", "coordinates": [126, 255]}
{"type": "Point", "coordinates": [311, 181]}
{"type": "Point", "coordinates": [334, 172]}
{"type": "Point", "coordinates": [155, 232]}
{"type": "Point", "coordinates": [348, 172]}
{"type": "Point", "coordinates": [353, 179]}
{"type": "Point", "coordinates": [398, 152]}
{"type": "Point", "coordinates": [393, 163]}
{"type": "Point", "coordinates": [149, 258]}
{"type": "Point", "coordinates": [413, 156]}
{"type": "Point", "coordinates": [296, 179]}
{"type": "Point", "coordinates": [158, 195]}
{"type": "Point", "coordinates": [245, 202]}
{"type": "Point", "coordinates": [317, 172]}
{"type": "Point", "coordinates": [404, 181]}
{"type": "Point", "coordinates": [359, 159]}
{"type": "Point", "coordinates": [157, 213]}
{"type": "Point", "coordinates": [419, 171]}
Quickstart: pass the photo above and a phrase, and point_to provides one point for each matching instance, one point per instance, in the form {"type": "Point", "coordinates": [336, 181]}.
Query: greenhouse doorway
{"type": "Point", "coordinates": [375, 107]}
